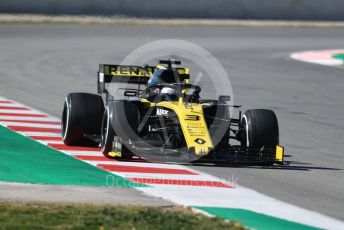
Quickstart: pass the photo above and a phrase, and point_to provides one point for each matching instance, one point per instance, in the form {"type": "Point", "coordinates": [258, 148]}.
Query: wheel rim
{"type": "Point", "coordinates": [65, 119]}
{"type": "Point", "coordinates": [104, 132]}
{"type": "Point", "coordinates": [245, 136]}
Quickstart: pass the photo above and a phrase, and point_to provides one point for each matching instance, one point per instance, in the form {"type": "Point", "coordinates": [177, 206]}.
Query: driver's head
{"type": "Point", "coordinates": [164, 76]}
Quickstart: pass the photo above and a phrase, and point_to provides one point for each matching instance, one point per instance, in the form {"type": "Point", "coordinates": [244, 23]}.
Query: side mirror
{"type": "Point", "coordinates": [130, 93]}
{"type": "Point", "coordinates": [224, 98]}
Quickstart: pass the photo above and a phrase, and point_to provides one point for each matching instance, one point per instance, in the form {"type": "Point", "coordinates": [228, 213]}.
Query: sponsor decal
{"type": "Point", "coordinates": [200, 141]}
{"type": "Point", "coordinates": [123, 70]}
{"type": "Point", "coordinates": [161, 112]}
{"type": "Point", "coordinates": [192, 118]}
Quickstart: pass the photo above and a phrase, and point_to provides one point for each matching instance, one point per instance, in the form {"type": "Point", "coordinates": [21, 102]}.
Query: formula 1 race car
{"type": "Point", "coordinates": [155, 113]}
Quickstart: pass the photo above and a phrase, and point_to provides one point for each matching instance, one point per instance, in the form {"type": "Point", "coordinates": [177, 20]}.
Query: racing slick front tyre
{"type": "Point", "coordinates": [116, 115]}
{"type": "Point", "coordinates": [81, 116]}
{"type": "Point", "coordinates": [260, 129]}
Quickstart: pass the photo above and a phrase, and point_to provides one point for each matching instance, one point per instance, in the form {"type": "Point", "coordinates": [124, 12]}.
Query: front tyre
{"type": "Point", "coordinates": [81, 116]}
{"type": "Point", "coordinates": [260, 129]}
{"type": "Point", "coordinates": [107, 135]}
{"type": "Point", "coordinates": [113, 134]}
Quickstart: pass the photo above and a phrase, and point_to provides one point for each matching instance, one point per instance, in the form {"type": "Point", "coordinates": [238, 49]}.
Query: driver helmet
{"type": "Point", "coordinates": [163, 76]}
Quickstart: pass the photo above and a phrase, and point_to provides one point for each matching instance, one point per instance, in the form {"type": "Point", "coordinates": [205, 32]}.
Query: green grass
{"type": "Point", "coordinates": [66, 216]}
{"type": "Point", "coordinates": [254, 220]}
{"type": "Point", "coordinates": [27, 161]}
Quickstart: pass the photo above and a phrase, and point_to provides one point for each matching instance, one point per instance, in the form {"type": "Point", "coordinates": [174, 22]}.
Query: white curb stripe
{"type": "Point", "coordinates": [84, 153]}
{"type": "Point", "coordinates": [19, 111]}
{"type": "Point", "coordinates": [43, 134]}
{"type": "Point", "coordinates": [322, 57]}
{"type": "Point", "coordinates": [31, 125]}
{"type": "Point", "coordinates": [25, 118]}
{"type": "Point", "coordinates": [52, 142]}
{"type": "Point", "coordinates": [143, 164]}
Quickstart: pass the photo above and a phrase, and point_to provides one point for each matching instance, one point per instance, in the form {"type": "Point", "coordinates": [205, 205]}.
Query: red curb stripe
{"type": "Point", "coordinates": [33, 129]}
{"type": "Point", "coordinates": [139, 169]}
{"type": "Point", "coordinates": [93, 158]}
{"type": "Point", "coordinates": [23, 115]}
{"type": "Point", "coordinates": [198, 183]}
{"type": "Point", "coordinates": [73, 148]}
{"type": "Point", "coordinates": [43, 138]}
{"type": "Point", "coordinates": [33, 122]}
{"type": "Point", "coordinates": [140, 160]}
{"type": "Point", "coordinates": [5, 102]}
{"type": "Point", "coordinates": [13, 108]}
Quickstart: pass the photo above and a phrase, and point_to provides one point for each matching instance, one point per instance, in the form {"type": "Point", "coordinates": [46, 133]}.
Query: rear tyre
{"type": "Point", "coordinates": [81, 116]}
{"type": "Point", "coordinates": [260, 129]}
{"type": "Point", "coordinates": [118, 127]}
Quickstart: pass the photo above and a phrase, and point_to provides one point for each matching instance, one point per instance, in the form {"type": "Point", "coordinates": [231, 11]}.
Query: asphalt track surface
{"type": "Point", "coordinates": [39, 65]}
{"type": "Point", "coordinates": [71, 194]}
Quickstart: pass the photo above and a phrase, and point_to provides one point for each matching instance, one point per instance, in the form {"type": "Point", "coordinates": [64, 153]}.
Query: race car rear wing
{"type": "Point", "coordinates": [130, 74]}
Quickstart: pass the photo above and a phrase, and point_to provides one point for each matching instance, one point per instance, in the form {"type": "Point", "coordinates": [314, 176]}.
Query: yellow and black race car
{"type": "Point", "coordinates": [155, 113]}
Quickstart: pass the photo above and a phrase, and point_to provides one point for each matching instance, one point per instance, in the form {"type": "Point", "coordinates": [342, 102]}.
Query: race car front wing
{"type": "Point", "coordinates": [247, 155]}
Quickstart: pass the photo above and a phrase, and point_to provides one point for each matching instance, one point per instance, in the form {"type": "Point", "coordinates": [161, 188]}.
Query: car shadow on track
{"type": "Point", "coordinates": [290, 165]}
{"type": "Point", "coordinates": [301, 167]}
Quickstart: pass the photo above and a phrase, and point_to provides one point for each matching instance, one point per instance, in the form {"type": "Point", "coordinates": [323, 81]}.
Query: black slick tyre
{"type": "Point", "coordinates": [260, 129]}
{"type": "Point", "coordinates": [118, 127]}
{"type": "Point", "coordinates": [82, 115]}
